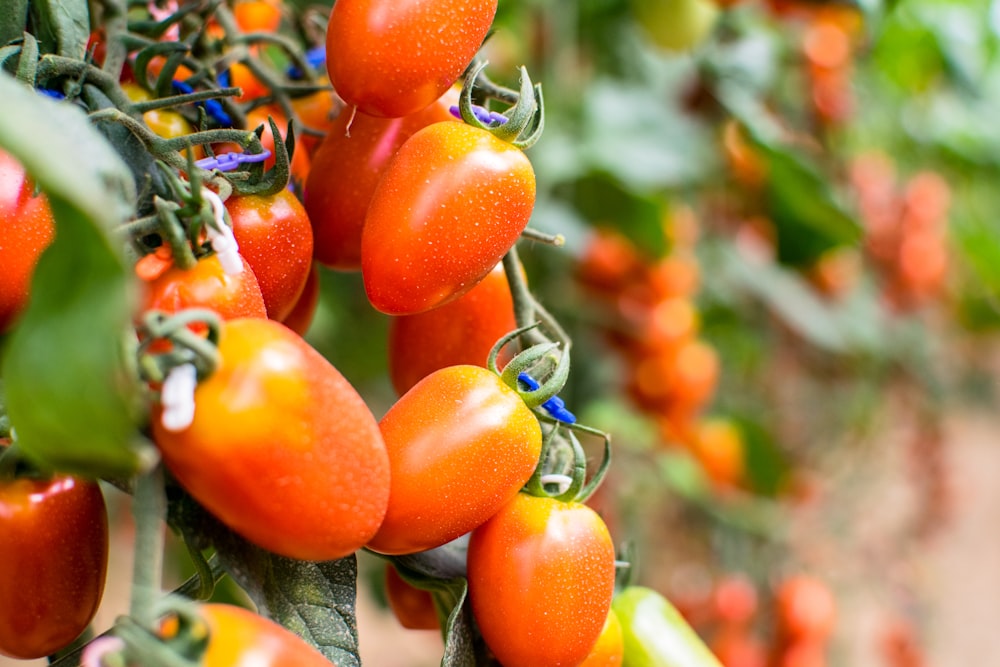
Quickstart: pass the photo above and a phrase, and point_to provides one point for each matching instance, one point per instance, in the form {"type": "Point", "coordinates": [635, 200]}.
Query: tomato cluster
{"type": "Point", "coordinates": [671, 372]}
{"type": "Point", "coordinates": [263, 442]}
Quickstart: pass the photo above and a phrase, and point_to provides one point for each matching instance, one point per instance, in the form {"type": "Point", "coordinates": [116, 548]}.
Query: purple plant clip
{"type": "Point", "coordinates": [555, 406]}
{"type": "Point", "coordinates": [482, 113]}
{"type": "Point", "coordinates": [230, 161]}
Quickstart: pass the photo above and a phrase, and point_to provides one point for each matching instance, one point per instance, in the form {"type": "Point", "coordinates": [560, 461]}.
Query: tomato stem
{"type": "Point", "coordinates": [557, 240]}
{"type": "Point", "coordinates": [149, 507]}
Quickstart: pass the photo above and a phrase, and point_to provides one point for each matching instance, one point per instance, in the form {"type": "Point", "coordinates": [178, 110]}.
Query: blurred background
{"type": "Point", "coordinates": [782, 276]}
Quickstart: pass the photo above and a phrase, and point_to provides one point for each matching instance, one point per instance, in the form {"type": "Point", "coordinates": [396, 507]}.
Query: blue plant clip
{"type": "Point", "coordinates": [555, 406]}
{"type": "Point", "coordinates": [483, 114]}
{"type": "Point", "coordinates": [212, 107]}
{"type": "Point", "coordinates": [48, 92]}
{"type": "Point", "coordinates": [230, 161]}
{"type": "Point", "coordinates": [315, 56]}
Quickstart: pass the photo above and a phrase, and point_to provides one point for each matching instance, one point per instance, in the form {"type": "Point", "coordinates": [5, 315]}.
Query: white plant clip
{"type": "Point", "coordinates": [177, 398]}
{"type": "Point", "coordinates": [563, 481]}
{"type": "Point", "coordinates": [221, 236]}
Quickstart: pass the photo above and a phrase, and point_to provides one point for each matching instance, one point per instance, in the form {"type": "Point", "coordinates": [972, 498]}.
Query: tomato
{"type": "Point", "coordinates": [27, 229]}
{"type": "Point", "coordinates": [348, 165]}
{"type": "Point", "coordinates": [805, 608]}
{"type": "Point", "coordinates": [460, 332]}
{"type": "Point", "coordinates": [302, 312]}
{"type": "Point", "coordinates": [655, 633]}
{"type": "Point", "coordinates": [257, 117]}
{"type": "Point", "coordinates": [392, 59]}
{"type": "Point", "coordinates": [609, 651]}
{"type": "Point", "coordinates": [676, 25]}
{"type": "Point", "coordinates": [54, 550]}
{"type": "Point", "coordinates": [276, 240]}
{"type": "Point", "coordinates": [207, 285]}
{"type": "Point", "coordinates": [257, 15]}
{"type": "Point", "coordinates": [241, 638]}
{"type": "Point", "coordinates": [450, 205]}
{"type": "Point", "coordinates": [412, 606]}
{"type": "Point", "coordinates": [315, 111]}
{"type": "Point", "coordinates": [165, 123]}
{"type": "Point", "coordinates": [461, 443]}
{"type": "Point", "coordinates": [282, 448]}
{"type": "Point", "coordinates": [541, 576]}
{"type": "Point", "coordinates": [242, 77]}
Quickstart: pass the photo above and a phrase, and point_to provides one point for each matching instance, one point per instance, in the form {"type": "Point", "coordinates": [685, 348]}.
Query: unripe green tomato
{"type": "Point", "coordinates": [676, 25]}
{"type": "Point", "coordinates": [655, 633]}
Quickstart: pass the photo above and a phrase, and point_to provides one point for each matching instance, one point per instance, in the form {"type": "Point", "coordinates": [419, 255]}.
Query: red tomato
{"type": "Point", "coordinates": [348, 165]}
{"type": "Point", "coordinates": [461, 332]}
{"type": "Point", "coordinates": [806, 608]}
{"type": "Point", "coordinates": [461, 444]}
{"type": "Point", "coordinates": [392, 59]}
{"type": "Point", "coordinates": [450, 205]}
{"type": "Point", "coordinates": [27, 229]}
{"type": "Point", "coordinates": [282, 448]}
{"type": "Point", "coordinates": [412, 606]}
{"type": "Point", "coordinates": [257, 15]}
{"type": "Point", "coordinates": [54, 550]}
{"type": "Point", "coordinates": [609, 651]}
{"type": "Point", "coordinates": [276, 240]}
{"type": "Point", "coordinates": [302, 313]}
{"type": "Point", "coordinates": [241, 638]}
{"type": "Point", "coordinates": [541, 577]}
{"type": "Point", "coordinates": [315, 111]}
{"type": "Point", "coordinates": [207, 285]}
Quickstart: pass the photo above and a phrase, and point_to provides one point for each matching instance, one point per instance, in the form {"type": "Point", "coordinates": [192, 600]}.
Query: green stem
{"type": "Point", "coordinates": [52, 66]}
{"type": "Point", "coordinates": [149, 507]}
{"type": "Point", "coordinates": [524, 303]}
{"type": "Point", "coordinates": [115, 25]}
{"type": "Point", "coordinates": [27, 64]}
{"type": "Point", "coordinates": [204, 573]}
{"type": "Point", "coordinates": [187, 98]}
{"type": "Point", "coordinates": [557, 240]}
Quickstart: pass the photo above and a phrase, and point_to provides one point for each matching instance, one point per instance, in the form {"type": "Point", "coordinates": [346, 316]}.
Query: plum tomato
{"type": "Point", "coordinates": [241, 638]}
{"type": "Point", "coordinates": [54, 550]}
{"type": "Point", "coordinates": [392, 59]}
{"type": "Point", "coordinates": [282, 448]}
{"type": "Point", "coordinates": [27, 229]}
{"type": "Point", "coordinates": [460, 332]}
{"type": "Point", "coordinates": [276, 240]}
{"type": "Point", "coordinates": [461, 443]}
{"type": "Point", "coordinates": [207, 285]}
{"type": "Point", "coordinates": [452, 202]}
{"type": "Point", "coordinates": [413, 607]}
{"type": "Point", "coordinates": [541, 577]}
{"type": "Point", "coordinates": [346, 168]}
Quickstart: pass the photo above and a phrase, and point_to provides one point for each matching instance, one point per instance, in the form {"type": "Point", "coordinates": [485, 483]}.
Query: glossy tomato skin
{"type": "Point", "coordinates": [54, 550]}
{"type": "Point", "coordinates": [304, 309]}
{"type": "Point", "coordinates": [460, 332]}
{"type": "Point", "coordinates": [346, 168]}
{"type": "Point", "coordinates": [541, 576]}
{"type": "Point", "coordinates": [450, 205]}
{"type": "Point", "coordinates": [282, 448]}
{"type": "Point", "coordinates": [207, 285]}
{"type": "Point", "coordinates": [461, 443]}
{"type": "Point", "coordinates": [412, 606]}
{"type": "Point", "coordinates": [391, 58]}
{"type": "Point", "coordinates": [241, 638]}
{"type": "Point", "coordinates": [27, 229]}
{"type": "Point", "coordinates": [276, 240]}
{"type": "Point", "coordinates": [609, 651]}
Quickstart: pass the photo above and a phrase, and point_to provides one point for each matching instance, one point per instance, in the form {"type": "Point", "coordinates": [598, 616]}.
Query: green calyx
{"type": "Point", "coordinates": [186, 346]}
{"type": "Point", "coordinates": [525, 118]}
{"type": "Point", "coordinates": [562, 467]}
{"type": "Point", "coordinates": [552, 362]}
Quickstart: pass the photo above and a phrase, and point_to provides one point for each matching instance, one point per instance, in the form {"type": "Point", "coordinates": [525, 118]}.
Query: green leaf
{"type": "Point", "coordinates": [62, 26]}
{"type": "Point", "coordinates": [69, 388]}
{"type": "Point", "coordinates": [13, 19]}
{"type": "Point", "coordinates": [442, 571]}
{"type": "Point", "coordinates": [316, 601]}
{"type": "Point", "coordinates": [809, 220]}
